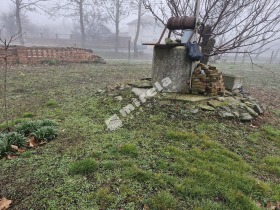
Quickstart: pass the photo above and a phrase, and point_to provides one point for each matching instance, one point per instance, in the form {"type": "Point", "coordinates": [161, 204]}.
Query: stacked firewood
{"type": "Point", "coordinates": [207, 80]}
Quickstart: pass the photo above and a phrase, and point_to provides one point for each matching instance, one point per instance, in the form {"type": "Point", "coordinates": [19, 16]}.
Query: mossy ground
{"type": "Point", "coordinates": [160, 158]}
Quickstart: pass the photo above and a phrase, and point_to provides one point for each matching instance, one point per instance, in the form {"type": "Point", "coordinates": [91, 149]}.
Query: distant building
{"type": "Point", "coordinates": [150, 30]}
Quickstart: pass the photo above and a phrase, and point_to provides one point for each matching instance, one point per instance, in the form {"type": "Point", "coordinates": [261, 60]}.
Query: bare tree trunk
{"type": "Point", "coordinates": [18, 21]}
{"type": "Point", "coordinates": [207, 44]}
{"type": "Point", "coordinates": [5, 89]}
{"type": "Point", "coordinates": [117, 25]}
{"type": "Point", "coordinates": [82, 27]}
{"type": "Point", "coordinates": [138, 28]}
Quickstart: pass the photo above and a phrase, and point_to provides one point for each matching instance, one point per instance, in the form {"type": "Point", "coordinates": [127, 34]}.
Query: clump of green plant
{"type": "Point", "coordinates": [272, 164]}
{"type": "Point", "coordinates": [28, 115]}
{"type": "Point", "coordinates": [104, 198]}
{"type": "Point", "coordinates": [83, 167]}
{"type": "Point", "coordinates": [254, 137]}
{"type": "Point", "coordinates": [162, 201]}
{"type": "Point", "coordinates": [51, 102]}
{"type": "Point", "coordinates": [272, 134]}
{"type": "Point", "coordinates": [47, 133]}
{"type": "Point", "coordinates": [129, 149]}
{"type": "Point", "coordinates": [51, 62]}
{"type": "Point", "coordinates": [9, 139]}
{"type": "Point", "coordinates": [29, 127]}
{"type": "Point", "coordinates": [277, 112]}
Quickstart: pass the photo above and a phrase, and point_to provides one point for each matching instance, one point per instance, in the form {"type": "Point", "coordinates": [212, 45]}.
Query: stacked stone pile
{"type": "Point", "coordinates": [207, 80]}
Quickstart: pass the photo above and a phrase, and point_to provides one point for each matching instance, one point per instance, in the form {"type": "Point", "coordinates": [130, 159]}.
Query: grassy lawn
{"type": "Point", "coordinates": [163, 157]}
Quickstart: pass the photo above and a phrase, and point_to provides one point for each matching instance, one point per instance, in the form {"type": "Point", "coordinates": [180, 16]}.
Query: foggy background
{"type": "Point", "coordinates": [62, 29]}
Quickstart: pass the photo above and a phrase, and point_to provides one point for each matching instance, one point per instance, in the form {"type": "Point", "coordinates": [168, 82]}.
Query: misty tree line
{"type": "Point", "coordinates": [92, 15]}
{"type": "Point", "coordinates": [225, 26]}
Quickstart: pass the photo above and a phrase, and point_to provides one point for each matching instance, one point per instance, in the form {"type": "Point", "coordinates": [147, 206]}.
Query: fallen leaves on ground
{"type": "Point", "coordinates": [5, 203]}
{"type": "Point", "coordinates": [10, 157]}
{"type": "Point", "coordinates": [32, 142]}
{"type": "Point", "coordinates": [146, 207]}
{"type": "Point", "coordinates": [273, 206]}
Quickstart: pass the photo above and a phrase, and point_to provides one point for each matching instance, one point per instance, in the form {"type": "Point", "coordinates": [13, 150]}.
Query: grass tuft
{"type": "Point", "coordinates": [27, 115]}
{"type": "Point", "coordinates": [162, 201]}
{"type": "Point", "coordinates": [104, 198]}
{"type": "Point", "coordinates": [129, 149]}
{"type": "Point", "coordinates": [51, 103]}
{"type": "Point", "coordinates": [272, 134]}
{"type": "Point", "coordinates": [272, 164]}
{"type": "Point", "coordinates": [83, 167]}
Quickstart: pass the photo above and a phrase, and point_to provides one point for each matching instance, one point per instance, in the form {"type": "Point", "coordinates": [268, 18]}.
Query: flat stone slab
{"type": "Point", "coordinates": [139, 91]}
{"type": "Point", "coordinates": [141, 84]}
{"type": "Point", "coordinates": [187, 97]}
{"type": "Point", "coordinates": [246, 117]}
{"type": "Point", "coordinates": [233, 82]}
{"type": "Point", "coordinates": [206, 108]}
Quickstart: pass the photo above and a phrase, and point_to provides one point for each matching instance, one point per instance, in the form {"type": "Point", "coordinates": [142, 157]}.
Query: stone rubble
{"type": "Point", "coordinates": [230, 106]}
{"type": "Point", "coordinates": [207, 80]}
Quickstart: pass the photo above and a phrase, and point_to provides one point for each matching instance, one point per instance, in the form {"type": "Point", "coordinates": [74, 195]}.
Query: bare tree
{"type": "Point", "coordinates": [4, 54]}
{"type": "Point", "coordinates": [25, 5]}
{"type": "Point", "coordinates": [117, 10]}
{"type": "Point", "coordinates": [138, 5]}
{"type": "Point", "coordinates": [95, 22]}
{"type": "Point", "coordinates": [8, 19]}
{"type": "Point", "coordinates": [245, 25]}
{"type": "Point", "coordinates": [72, 8]}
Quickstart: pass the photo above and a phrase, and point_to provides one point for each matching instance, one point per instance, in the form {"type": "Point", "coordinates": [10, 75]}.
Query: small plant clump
{"type": "Point", "coordinates": [83, 167]}
{"type": "Point", "coordinates": [29, 127]}
{"type": "Point", "coordinates": [28, 115]}
{"type": "Point", "coordinates": [52, 62]}
{"type": "Point", "coordinates": [9, 139]}
{"type": "Point", "coordinates": [41, 130]}
{"type": "Point", "coordinates": [51, 103]}
{"type": "Point", "coordinates": [47, 133]}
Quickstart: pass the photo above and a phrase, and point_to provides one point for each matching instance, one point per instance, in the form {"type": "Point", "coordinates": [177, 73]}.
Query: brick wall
{"type": "Point", "coordinates": [33, 55]}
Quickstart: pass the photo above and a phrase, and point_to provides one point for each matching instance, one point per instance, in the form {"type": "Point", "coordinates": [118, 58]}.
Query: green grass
{"type": "Point", "coordinates": [162, 201]}
{"type": "Point", "coordinates": [272, 133]}
{"type": "Point", "coordinates": [272, 164]}
{"type": "Point", "coordinates": [129, 149]}
{"type": "Point", "coordinates": [161, 158]}
{"type": "Point", "coordinates": [83, 167]}
{"type": "Point", "coordinates": [51, 103]}
{"type": "Point", "coordinates": [27, 115]}
{"type": "Point", "coordinates": [277, 112]}
{"type": "Point", "coordinates": [9, 139]}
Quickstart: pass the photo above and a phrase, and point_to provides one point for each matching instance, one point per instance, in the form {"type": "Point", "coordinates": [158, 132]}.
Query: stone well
{"type": "Point", "coordinates": [172, 61]}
